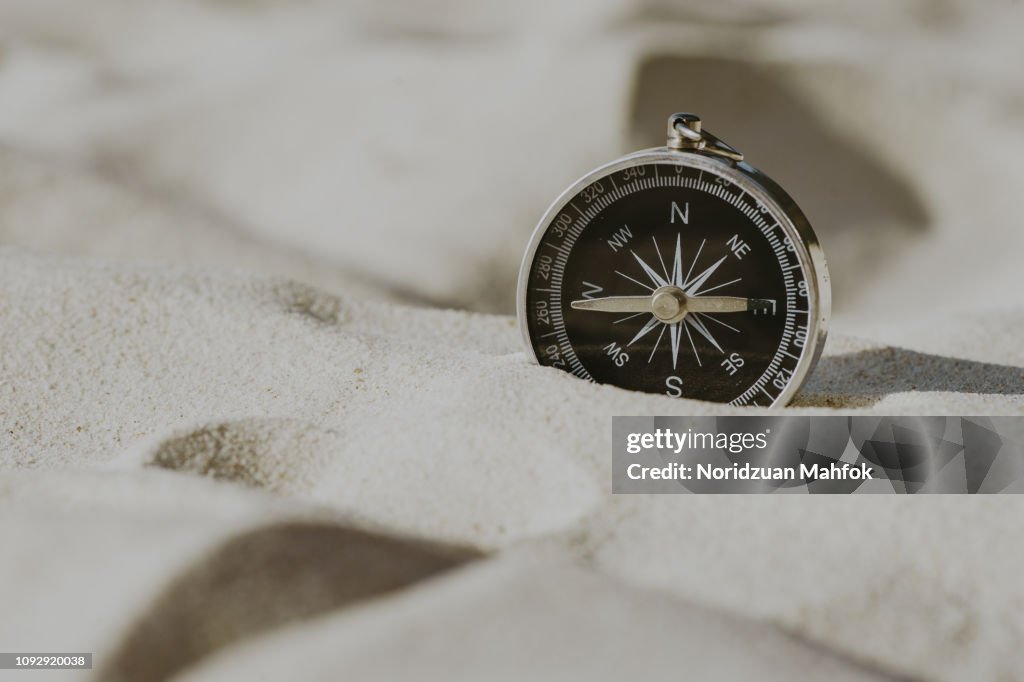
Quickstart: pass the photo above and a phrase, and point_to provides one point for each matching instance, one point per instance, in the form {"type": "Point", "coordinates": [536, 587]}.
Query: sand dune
{"type": "Point", "coordinates": [403, 429]}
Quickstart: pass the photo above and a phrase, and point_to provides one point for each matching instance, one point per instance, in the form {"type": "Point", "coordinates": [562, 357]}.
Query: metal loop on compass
{"type": "Point", "coordinates": [689, 133]}
{"type": "Point", "coordinates": [685, 133]}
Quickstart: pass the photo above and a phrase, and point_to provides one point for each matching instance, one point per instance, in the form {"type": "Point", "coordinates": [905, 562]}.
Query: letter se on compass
{"type": "Point", "coordinates": [678, 274]}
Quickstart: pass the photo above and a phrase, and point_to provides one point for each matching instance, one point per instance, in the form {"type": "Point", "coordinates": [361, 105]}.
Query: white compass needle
{"type": "Point", "coordinates": [718, 304]}
{"type": "Point", "coordinates": [688, 304]}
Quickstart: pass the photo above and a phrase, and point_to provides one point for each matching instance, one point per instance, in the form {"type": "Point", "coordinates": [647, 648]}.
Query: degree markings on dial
{"type": "Point", "coordinates": [560, 260]}
{"type": "Point", "coordinates": [558, 247]}
{"type": "Point", "coordinates": [769, 372]}
{"type": "Point", "coordinates": [777, 248]}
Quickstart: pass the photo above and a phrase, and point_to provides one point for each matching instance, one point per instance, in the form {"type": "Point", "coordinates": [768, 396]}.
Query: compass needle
{"type": "Point", "coordinates": [717, 304]}
{"type": "Point", "coordinates": [679, 244]}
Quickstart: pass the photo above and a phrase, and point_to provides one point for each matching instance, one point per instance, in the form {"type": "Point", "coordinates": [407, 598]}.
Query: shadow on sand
{"type": "Point", "coordinates": [863, 378]}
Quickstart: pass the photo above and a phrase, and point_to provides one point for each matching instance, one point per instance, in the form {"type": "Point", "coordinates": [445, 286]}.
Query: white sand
{"type": "Point", "coordinates": [513, 619]}
{"type": "Point", "coordinates": [214, 214]}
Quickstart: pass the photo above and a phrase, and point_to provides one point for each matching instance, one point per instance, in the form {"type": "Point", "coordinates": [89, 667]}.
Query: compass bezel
{"type": "Point", "coordinates": [792, 219]}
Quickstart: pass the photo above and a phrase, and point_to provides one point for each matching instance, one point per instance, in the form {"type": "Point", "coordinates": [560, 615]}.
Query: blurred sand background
{"type": "Point", "coordinates": [265, 412]}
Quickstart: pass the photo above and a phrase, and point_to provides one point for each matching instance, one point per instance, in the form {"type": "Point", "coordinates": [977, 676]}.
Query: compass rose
{"type": "Point", "coordinates": [674, 301]}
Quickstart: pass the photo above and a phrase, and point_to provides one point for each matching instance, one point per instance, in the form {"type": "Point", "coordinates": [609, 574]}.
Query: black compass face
{"type": "Point", "coordinates": [670, 279]}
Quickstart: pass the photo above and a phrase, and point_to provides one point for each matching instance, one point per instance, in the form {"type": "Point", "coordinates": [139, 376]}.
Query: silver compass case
{"type": "Point", "coordinates": [700, 162]}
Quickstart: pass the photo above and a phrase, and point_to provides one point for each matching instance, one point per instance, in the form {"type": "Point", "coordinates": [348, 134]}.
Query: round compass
{"type": "Point", "coordinates": [678, 270]}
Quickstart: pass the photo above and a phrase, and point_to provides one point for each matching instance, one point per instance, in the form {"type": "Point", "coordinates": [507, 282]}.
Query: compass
{"type": "Point", "coordinates": [679, 270]}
